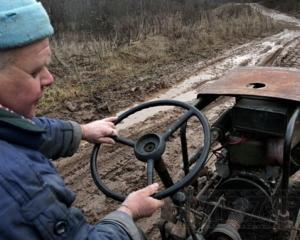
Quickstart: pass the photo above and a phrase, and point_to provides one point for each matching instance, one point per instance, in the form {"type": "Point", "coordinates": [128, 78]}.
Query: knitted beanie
{"type": "Point", "coordinates": [22, 22]}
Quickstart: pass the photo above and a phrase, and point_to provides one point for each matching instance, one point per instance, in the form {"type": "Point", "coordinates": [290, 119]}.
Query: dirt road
{"type": "Point", "coordinates": [120, 169]}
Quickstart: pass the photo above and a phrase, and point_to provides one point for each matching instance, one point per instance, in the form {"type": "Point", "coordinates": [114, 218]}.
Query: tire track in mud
{"type": "Point", "coordinates": [279, 53]}
{"type": "Point", "coordinates": [119, 169]}
{"type": "Point", "coordinates": [290, 57]}
{"type": "Point", "coordinates": [256, 53]}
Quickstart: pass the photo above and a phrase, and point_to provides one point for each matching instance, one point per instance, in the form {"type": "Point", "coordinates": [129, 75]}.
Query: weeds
{"type": "Point", "coordinates": [86, 66]}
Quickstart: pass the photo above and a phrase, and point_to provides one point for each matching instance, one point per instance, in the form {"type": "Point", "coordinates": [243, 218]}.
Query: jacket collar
{"type": "Point", "coordinates": [16, 129]}
{"type": "Point", "coordinates": [15, 120]}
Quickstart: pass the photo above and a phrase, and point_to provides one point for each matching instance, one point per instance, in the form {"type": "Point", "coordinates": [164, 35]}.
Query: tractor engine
{"type": "Point", "coordinates": [240, 197]}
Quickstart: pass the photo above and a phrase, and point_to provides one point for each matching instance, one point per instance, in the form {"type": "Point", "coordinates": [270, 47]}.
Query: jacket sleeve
{"type": "Point", "coordinates": [118, 226]}
{"type": "Point", "coordinates": [61, 138]}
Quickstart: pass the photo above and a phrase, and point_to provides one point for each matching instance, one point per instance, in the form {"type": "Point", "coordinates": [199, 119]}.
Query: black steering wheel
{"type": "Point", "coordinates": [150, 147]}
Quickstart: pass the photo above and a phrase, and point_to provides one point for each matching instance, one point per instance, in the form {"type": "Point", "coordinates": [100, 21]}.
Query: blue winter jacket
{"type": "Point", "coordinates": [34, 201]}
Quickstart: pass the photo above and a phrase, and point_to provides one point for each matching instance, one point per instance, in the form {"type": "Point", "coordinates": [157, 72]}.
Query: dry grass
{"type": "Point", "coordinates": [84, 68]}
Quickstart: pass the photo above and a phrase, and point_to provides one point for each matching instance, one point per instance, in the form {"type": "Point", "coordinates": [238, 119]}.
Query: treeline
{"type": "Point", "coordinates": [125, 20]}
{"type": "Point", "coordinates": [113, 17]}
{"type": "Point", "coordinates": [285, 6]}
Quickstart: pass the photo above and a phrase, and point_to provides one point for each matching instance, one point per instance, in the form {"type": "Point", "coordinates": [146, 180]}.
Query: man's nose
{"type": "Point", "coordinates": [46, 77]}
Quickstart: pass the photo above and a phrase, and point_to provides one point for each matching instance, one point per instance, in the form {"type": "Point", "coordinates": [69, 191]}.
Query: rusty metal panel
{"type": "Point", "coordinates": [283, 83]}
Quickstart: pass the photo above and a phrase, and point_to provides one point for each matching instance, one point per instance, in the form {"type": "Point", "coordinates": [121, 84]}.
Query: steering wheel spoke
{"type": "Point", "coordinates": [124, 141]}
{"type": "Point", "coordinates": [184, 149]}
{"type": "Point", "coordinates": [163, 173]}
{"type": "Point", "coordinates": [150, 173]}
{"type": "Point", "coordinates": [174, 127]}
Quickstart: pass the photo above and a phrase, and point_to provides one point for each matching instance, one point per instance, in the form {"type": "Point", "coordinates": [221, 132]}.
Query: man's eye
{"type": "Point", "coordinates": [35, 73]}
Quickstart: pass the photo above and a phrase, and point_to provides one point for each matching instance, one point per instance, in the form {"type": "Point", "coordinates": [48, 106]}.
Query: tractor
{"type": "Point", "coordinates": [247, 192]}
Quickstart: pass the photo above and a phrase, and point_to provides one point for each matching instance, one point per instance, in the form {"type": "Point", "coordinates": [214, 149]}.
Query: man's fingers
{"type": "Point", "coordinates": [107, 140]}
{"type": "Point", "coordinates": [159, 203]}
{"type": "Point", "coordinates": [111, 124]}
{"type": "Point", "coordinates": [110, 132]}
{"type": "Point", "coordinates": [113, 132]}
{"type": "Point", "coordinates": [110, 119]}
{"type": "Point", "coordinates": [150, 190]}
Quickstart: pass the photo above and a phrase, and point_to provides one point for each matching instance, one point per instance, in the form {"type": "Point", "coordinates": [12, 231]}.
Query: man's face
{"type": "Point", "coordinates": [22, 82]}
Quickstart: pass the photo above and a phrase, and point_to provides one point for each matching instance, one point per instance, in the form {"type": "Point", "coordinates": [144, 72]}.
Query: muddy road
{"type": "Point", "coordinates": [119, 168]}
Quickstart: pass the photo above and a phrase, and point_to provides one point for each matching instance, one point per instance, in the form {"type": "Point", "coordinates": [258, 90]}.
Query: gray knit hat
{"type": "Point", "coordinates": [22, 22]}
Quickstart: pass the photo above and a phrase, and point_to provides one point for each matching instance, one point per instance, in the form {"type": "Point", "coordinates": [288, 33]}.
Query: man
{"type": "Point", "coordinates": [34, 202]}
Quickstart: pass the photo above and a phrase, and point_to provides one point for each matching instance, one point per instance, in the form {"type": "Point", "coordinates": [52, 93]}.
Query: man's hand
{"type": "Point", "coordinates": [100, 131]}
{"type": "Point", "coordinates": [140, 204]}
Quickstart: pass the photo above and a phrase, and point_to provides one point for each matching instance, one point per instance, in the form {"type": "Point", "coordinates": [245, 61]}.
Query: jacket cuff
{"type": "Point", "coordinates": [77, 136]}
{"type": "Point", "coordinates": [125, 221]}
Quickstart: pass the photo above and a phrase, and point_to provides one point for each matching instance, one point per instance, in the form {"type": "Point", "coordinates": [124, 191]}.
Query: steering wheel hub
{"type": "Point", "coordinates": [149, 146]}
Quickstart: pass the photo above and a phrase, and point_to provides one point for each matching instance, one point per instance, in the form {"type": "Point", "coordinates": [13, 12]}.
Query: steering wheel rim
{"type": "Point", "coordinates": [187, 179]}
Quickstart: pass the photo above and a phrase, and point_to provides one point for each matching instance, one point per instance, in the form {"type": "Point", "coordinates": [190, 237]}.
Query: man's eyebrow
{"type": "Point", "coordinates": [45, 64]}
{"type": "Point", "coordinates": [49, 60]}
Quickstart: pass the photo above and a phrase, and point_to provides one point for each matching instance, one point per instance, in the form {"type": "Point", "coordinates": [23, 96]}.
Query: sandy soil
{"type": "Point", "coordinates": [119, 168]}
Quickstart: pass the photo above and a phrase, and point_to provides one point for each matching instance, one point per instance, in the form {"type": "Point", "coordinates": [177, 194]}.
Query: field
{"type": "Point", "coordinates": [96, 78]}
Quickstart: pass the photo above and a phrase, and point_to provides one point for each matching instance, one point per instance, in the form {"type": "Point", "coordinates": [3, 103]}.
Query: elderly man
{"type": "Point", "coordinates": [35, 203]}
